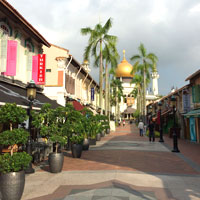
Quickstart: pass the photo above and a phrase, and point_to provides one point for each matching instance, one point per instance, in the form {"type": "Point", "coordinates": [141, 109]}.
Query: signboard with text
{"type": "Point", "coordinates": [38, 69]}
{"type": "Point", "coordinates": [41, 69]}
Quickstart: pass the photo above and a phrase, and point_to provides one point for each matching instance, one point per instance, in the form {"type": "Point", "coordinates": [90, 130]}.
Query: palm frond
{"type": "Point", "coordinates": [135, 57]}
{"type": "Point", "coordinates": [142, 50]}
{"type": "Point", "coordinates": [85, 31]}
{"type": "Point", "coordinates": [107, 25]}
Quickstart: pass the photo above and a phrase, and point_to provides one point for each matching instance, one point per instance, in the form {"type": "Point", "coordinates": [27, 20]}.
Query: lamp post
{"type": "Point", "coordinates": [161, 125]}
{"type": "Point", "coordinates": [175, 138]}
{"type": "Point", "coordinates": [31, 95]}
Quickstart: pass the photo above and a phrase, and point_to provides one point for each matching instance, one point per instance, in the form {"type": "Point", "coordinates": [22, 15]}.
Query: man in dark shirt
{"type": "Point", "coordinates": [151, 131]}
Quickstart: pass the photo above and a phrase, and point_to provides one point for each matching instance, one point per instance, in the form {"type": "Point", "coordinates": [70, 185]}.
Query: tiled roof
{"type": "Point", "coordinates": [23, 21]}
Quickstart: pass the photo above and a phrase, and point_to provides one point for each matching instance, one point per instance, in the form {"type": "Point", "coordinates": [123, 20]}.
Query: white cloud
{"type": "Point", "coordinates": [169, 28]}
{"type": "Point", "coordinates": [195, 9]}
{"type": "Point", "coordinates": [159, 12]}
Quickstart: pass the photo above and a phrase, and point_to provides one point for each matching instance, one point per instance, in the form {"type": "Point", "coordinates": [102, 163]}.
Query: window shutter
{"type": "Point", "coordinates": [73, 86]}
{"type": "Point", "coordinates": [29, 62]}
{"type": "Point", "coordinates": [11, 58]}
{"type": "Point", "coordinates": [3, 55]}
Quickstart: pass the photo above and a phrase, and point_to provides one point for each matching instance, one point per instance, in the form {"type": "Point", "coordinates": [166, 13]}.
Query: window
{"type": "Point", "coordinates": [48, 70]}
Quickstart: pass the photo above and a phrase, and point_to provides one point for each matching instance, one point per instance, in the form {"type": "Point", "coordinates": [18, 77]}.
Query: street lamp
{"type": "Point", "coordinates": [161, 125]}
{"type": "Point", "coordinates": [31, 95]}
{"type": "Point", "coordinates": [175, 138]}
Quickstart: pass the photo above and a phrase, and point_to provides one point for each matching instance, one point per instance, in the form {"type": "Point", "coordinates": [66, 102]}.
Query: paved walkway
{"type": "Point", "coordinates": [122, 166]}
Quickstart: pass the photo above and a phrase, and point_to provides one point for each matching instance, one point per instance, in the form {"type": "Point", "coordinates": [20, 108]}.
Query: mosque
{"type": "Point", "coordinates": [128, 105]}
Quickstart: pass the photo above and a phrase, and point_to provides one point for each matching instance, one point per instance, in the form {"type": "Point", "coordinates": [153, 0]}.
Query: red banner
{"type": "Point", "coordinates": [41, 69]}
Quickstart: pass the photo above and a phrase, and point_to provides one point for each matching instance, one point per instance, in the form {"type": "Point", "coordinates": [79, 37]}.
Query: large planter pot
{"type": "Point", "coordinates": [86, 144]}
{"type": "Point", "coordinates": [107, 131]}
{"type": "Point", "coordinates": [92, 141]}
{"type": "Point", "coordinates": [12, 185]}
{"type": "Point", "coordinates": [56, 162]}
{"type": "Point", "coordinates": [77, 150]}
{"type": "Point", "coordinates": [102, 134]}
{"type": "Point", "coordinates": [98, 137]}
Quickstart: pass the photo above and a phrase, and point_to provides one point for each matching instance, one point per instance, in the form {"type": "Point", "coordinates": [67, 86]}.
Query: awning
{"type": "Point", "coordinates": [77, 105]}
{"type": "Point", "coordinates": [193, 113]}
{"type": "Point", "coordinates": [13, 93]}
{"type": "Point", "coordinates": [129, 110]}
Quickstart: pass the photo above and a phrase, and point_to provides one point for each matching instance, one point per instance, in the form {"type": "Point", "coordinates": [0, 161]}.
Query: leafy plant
{"type": "Point", "coordinates": [12, 114]}
{"type": "Point", "coordinates": [17, 162]}
{"type": "Point", "coordinates": [51, 124]}
{"type": "Point", "coordinates": [77, 139]}
{"type": "Point", "coordinates": [16, 136]}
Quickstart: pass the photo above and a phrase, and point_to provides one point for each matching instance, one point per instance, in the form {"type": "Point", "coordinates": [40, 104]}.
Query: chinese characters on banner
{"type": "Point", "coordinates": [41, 69]}
{"type": "Point", "coordinates": [38, 69]}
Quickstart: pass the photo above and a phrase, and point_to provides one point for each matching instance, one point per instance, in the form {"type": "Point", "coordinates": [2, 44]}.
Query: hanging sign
{"type": "Point", "coordinates": [38, 69]}
{"type": "Point", "coordinates": [92, 94]}
{"type": "Point", "coordinates": [41, 69]}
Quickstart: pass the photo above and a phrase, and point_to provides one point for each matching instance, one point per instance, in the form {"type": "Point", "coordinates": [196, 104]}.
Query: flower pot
{"type": "Point", "coordinates": [77, 150]}
{"type": "Point", "coordinates": [92, 141]}
{"type": "Point", "coordinates": [102, 134]}
{"type": "Point", "coordinates": [86, 144]}
{"type": "Point", "coordinates": [98, 137]}
{"type": "Point", "coordinates": [56, 162]}
{"type": "Point", "coordinates": [12, 185]}
{"type": "Point", "coordinates": [107, 131]}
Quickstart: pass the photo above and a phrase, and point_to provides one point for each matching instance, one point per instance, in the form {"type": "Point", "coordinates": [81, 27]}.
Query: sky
{"type": "Point", "coordinates": [168, 28]}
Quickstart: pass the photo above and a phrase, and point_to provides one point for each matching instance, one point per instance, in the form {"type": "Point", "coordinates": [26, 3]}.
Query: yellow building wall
{"type": "Point", "coordinates": [51, 63]}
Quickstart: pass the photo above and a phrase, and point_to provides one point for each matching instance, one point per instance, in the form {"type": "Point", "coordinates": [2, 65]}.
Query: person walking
{"type": "Point", "coordinates": [151, 131]}
{"type": "Point", "coordinates": [141, 127]}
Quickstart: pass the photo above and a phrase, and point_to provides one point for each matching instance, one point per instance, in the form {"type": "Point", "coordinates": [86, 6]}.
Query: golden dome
{"type": "Point", "coordinates": [124, 68]}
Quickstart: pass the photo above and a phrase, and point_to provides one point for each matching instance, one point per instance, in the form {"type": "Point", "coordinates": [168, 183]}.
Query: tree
{"type": "Point", "coordinates": [137, 91]}
{"type": "Point", "coordinates": [117, 93]}
{"type": "Point", "coordinates": [98, 39]}
{"type": "Point", "coordinates": [144, 62]}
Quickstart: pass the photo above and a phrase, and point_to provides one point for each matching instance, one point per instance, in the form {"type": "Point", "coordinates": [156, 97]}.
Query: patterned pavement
{"type": "Point", "coordinates": [122, 166]}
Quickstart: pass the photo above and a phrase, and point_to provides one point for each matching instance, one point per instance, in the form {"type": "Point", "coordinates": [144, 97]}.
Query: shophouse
{"type": "Point", "coordinates": [193, 116]}
{"type": "Point", "coordinates": [187, 110]}
{"type": "Point", "coordinates": [20, 44]}
{"type": "Point", "coordinates": [68, 80]}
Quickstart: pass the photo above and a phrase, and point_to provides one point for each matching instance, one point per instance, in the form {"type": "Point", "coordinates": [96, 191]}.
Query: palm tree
{"type": "Point", "coordinates": [111, 57]}
{"type": "Point", "coordinates": [98, 39]}
{"type": "Point", "coordinates": [117, 93]}
{"type": "Point", "coordinates": [137, 91]}
{"type": "Point", "coordinates": [143, 64]}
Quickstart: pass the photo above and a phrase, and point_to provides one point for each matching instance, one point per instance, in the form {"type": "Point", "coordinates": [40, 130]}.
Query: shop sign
{"type": "Point", "coordinates": [38, 69]}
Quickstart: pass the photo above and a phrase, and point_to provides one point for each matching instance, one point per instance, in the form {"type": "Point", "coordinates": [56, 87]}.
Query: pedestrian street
{"type": "Point", "coordinates": [122, 166]}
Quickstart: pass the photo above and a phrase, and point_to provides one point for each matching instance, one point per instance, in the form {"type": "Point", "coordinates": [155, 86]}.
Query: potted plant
{"type": "Point", "coordinates": [76, 132]}
{"type": "Point", "coordinates": [51, 125]}
{"type": "Point", "coordinates": [77, 145]}
{"type": "Point", "coordinates": [105, 124]}
{"type": "Point", "coordinates": [13, 164]}
{"type": "Point", "coordinates": [87, 114]}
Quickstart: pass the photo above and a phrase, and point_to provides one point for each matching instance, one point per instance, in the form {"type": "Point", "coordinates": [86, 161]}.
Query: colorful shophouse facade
{"type": "Point", "coordinates": [187, 110]}
{"type": "Point", "coordinates": [68, 80]}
